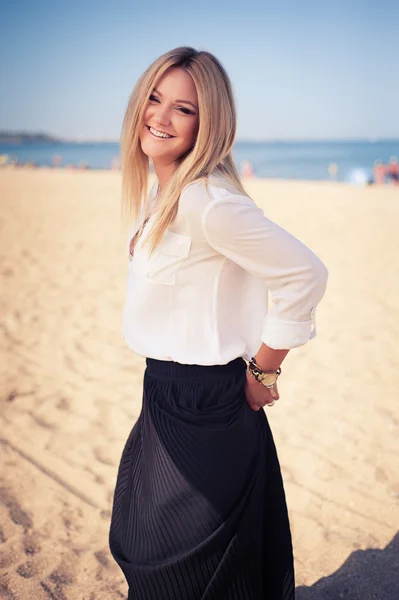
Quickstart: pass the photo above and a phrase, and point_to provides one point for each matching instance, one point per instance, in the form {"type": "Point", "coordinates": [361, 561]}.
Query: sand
{"type": "Point", "coordinates": [70, 391]}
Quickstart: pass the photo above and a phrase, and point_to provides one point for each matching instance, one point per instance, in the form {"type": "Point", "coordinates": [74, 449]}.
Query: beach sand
{"type": "Point", "coordinates": [70, 390]}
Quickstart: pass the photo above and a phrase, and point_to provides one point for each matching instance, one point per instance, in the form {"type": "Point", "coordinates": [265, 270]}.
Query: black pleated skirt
{"type": "Point", "coordinates": [199, 510]}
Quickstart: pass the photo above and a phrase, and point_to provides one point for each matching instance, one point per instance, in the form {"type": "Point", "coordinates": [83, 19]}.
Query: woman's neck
{"type": "Point", "coordinates": [163, 173]}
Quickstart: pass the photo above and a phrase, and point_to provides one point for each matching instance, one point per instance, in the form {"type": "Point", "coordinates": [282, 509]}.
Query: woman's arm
{"type": "Point", "coordinates": [235, 227]}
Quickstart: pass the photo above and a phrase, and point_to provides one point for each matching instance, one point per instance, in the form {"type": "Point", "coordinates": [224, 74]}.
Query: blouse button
{"type": "Point", "coordinates": [312, 318]}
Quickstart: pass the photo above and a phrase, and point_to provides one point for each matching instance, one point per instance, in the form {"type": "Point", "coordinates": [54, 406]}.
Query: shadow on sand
{"type": "Point", "coordinates": [366, 575]}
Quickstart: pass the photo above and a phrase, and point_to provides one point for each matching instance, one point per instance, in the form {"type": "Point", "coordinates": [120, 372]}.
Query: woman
{"type": "Point", "coordinates": [199, 508]}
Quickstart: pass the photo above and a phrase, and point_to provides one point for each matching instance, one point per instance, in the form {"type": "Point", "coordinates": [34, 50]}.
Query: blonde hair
{"type": "Point", "coordinates": [210, 153]}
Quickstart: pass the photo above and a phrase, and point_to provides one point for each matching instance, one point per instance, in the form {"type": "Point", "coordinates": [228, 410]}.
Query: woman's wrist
{"type": "Point", "coordinates": [269, 359]}
{"type": "Point", "coordinates": [266, 378]}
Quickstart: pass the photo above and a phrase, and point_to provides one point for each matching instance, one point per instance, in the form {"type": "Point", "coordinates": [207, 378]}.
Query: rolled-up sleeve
{"type": "Point", "coordinates": [235, 227]}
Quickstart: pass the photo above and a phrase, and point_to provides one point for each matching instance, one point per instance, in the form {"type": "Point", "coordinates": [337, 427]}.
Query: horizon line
{"type": "Point", "coordinates": [241, 140]}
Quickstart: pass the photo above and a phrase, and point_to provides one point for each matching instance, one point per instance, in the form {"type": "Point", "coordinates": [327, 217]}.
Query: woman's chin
{"type": "Point", "coordinates": [157, 154]}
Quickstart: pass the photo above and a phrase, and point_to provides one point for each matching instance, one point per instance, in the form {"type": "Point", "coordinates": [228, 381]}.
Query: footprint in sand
{"type": "Point", "coordinates": [2, 536]}
{"type": "Point", "coordinates": [31, 543]}
{"type": "Point", "coordinates": [6, 593]}
{"type": "Point", "coordinates": [17, 514]}
{"type": "Point", "coordinates": [6, 560]}
{"type": "Point", "coordinates": [27, 569]}
{"type": "Point", "coordinates": [102, 558]}
{"type": "Point", "coordinates": [61, 576]}
{"type": "Point", "coordinates": [64, 404]}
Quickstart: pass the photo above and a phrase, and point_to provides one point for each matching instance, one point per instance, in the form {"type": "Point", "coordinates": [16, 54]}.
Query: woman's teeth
{"type": "Point", "coordinates": [159, 133]}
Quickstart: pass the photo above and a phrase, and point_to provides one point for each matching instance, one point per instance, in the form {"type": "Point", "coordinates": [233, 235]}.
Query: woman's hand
{"type": "Point", "coordinates": [258, 395]}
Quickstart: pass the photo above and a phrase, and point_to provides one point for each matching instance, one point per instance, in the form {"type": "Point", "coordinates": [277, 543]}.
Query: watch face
{"type": "Point", "coordinates": [269, 378]}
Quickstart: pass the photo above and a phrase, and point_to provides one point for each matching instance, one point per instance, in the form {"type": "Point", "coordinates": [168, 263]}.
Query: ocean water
{"type": "Point", "coordinates": [284, 160]}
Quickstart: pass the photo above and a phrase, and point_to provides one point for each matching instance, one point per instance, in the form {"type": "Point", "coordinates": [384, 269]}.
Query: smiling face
{"type": "Point", "coordinates": [171, 120]}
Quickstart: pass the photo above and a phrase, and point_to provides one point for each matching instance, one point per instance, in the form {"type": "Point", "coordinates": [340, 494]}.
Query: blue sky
{"type": "Point", "coordinates": [300, 69]}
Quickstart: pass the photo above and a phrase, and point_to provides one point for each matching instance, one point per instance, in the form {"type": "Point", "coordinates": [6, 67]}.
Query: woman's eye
{"type": "Point", "coordinates": [185, 110]}
{"type": "Point", "coordinates": [153, 98]}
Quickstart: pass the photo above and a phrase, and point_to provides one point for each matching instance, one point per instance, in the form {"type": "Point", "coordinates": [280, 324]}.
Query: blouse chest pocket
{"type": "Point", "coordinates": [162, 266]}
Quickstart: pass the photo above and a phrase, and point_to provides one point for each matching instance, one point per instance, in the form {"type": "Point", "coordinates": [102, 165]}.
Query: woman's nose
{"type": "Point", "coordinates": [162, 115]}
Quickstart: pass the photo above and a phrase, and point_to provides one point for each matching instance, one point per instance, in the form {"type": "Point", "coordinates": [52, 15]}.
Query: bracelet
{"type": "Point", "coordinates": [255, 367]}
{"type": "Point", "coordinates": [266, 378]}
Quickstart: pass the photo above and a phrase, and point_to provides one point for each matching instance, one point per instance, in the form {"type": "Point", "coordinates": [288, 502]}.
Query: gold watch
{"type": "Point", "coordinates": [265, 378]}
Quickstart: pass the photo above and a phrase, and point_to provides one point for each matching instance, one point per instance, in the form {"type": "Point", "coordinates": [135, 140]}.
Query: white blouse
{"type": "Point", "coordinates": [202, 297]}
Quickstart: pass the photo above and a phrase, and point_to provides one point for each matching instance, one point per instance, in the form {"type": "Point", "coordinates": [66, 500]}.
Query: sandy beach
{"type": "Point", "coordinates": [70, 390]}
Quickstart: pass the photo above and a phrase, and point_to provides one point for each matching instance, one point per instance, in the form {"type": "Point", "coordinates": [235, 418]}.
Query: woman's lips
{"type": "Point", "coordinates": [162, 135]}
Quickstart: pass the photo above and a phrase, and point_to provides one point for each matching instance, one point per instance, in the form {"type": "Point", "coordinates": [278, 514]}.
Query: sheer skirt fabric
{"type": "Point", "coordinates": [199, 510]}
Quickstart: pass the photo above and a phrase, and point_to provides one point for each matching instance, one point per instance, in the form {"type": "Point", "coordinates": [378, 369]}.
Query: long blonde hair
{"type": "Point", "coordinates": [210, 153]}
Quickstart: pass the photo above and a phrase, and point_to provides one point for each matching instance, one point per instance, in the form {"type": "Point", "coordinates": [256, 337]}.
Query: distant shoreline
{"type": "Point", "coordinates": [22, 138]}
{"type": "Point", "coordinates": [13, 139]}
{"type": "Point", "coordinates": [344, 161]}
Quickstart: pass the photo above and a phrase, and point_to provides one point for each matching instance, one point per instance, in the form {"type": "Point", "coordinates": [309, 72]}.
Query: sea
{"type": "Point", "coordinates": [352, 160]}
